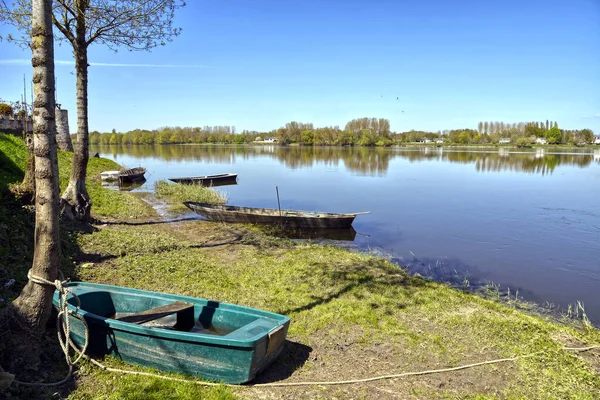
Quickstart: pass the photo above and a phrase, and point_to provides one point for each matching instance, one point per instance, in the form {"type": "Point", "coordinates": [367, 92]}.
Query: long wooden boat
{"type": "Point", "coordinates": [132, 175]}
{"type": "Point", "coordinates": [268, 216]}
{"type": "Point", "coordinates": [212, 340]}
{"type": "Point", "coordinates": [208, 180]}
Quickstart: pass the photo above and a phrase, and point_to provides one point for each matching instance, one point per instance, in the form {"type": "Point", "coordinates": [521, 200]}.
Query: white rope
{"type": "Point", "coordinates": [63, 316]}
{"type": "Point", "coordinates": [328, 383]}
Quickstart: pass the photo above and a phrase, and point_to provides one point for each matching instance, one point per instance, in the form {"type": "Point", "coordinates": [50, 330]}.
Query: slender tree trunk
{"type": "Point", "coordinates": [63, 137]}
{"type": "Point", "coordinates": [31, 309]}
{"type": "Point", "coordinates": [76, 202]}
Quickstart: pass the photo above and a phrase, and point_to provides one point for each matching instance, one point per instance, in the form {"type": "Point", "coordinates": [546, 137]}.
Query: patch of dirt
{"type": "Point", "coordinates": [592, 357]}
{"type": "Point", "coordinates": [339, 357]}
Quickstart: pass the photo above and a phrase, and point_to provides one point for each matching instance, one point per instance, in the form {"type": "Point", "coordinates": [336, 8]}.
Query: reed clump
{"type": "Point", "coordinates": [181, 193]}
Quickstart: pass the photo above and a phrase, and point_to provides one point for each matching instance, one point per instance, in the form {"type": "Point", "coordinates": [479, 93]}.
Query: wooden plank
{"type": "Point", "coordinates": [156, 313]}
{"type": "Point", "coordinates": [275, 337]}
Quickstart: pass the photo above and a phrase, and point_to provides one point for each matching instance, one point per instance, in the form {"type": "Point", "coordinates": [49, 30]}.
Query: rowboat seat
{"type": "Point", "coordinates": [183, 310]}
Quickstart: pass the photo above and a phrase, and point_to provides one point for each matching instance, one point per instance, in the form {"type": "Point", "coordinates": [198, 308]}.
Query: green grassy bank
{"type": "Point", "coordinates": [353, 315]}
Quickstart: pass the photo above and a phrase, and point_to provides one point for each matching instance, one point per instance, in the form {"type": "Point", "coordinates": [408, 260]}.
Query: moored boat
{"type": "Point", "coordinates": [212, 340]}
{"type": "Point", "coordinates": [132, 175]}
{"type": "Point", "coordinates": [268, 216]}
{"type": "Point", "coordinates": [208, 180]}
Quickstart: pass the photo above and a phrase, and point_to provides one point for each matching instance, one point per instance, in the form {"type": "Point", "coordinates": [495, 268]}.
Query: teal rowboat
{"type": "Point", "coordinates": [208, 339]}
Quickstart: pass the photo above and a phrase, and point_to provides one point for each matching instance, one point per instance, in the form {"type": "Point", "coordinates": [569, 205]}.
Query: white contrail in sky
{"type": "Point", "coordinates": [25, 61]}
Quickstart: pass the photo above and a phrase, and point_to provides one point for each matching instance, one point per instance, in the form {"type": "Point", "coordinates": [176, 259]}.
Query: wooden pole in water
{"type": "Point", "coordinates": [278, 203]}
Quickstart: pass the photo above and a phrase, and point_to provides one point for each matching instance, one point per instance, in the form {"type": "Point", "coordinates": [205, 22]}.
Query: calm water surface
{"type": "Point", "coordinates": [527, 220]}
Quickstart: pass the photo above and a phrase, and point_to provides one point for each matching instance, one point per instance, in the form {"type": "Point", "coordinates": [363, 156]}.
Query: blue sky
{"type": "Point", "coordinates": [259, 64]}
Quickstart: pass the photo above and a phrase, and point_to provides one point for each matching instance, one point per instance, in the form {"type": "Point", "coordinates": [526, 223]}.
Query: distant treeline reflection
{"type": "Point", "coordinates": [363, 160]}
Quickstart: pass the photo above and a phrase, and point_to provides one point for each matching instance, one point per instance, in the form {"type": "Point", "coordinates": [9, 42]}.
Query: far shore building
{"type": "Point", "coordinates": [597, 140]}
{"type": "Point", "coordinates": [439, 140]}
{"type": "Point", "coordinates": [271, 140]}
{"type": "Point", "coordinates": [540, 140]}
{"type": "Point", "coordinates": [504, 141]}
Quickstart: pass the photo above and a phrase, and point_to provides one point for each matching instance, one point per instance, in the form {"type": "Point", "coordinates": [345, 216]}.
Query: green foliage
{"type": "Point", "coordinates": [533, 129]}
{"type": "Point", "coordinates": [587, 136]}
{"type": "Point", "coordinates": [359, 132]}
{"type": "Point", "coordinates": [554, 135]}
{"type": "Point", "coordinates": [6, 109]}
{"type": "Point", "coordinates": [523, 142]}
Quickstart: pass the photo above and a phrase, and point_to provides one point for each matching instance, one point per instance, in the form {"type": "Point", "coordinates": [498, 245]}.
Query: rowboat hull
{"type": "Point", "coordinates": [132, 175]}
{"type": "Point", "coordinates": [208, 180]}
{"type": "Point", "coordinates": [265, 216]}
{"type": "Point", "coordinates": [228, 343]}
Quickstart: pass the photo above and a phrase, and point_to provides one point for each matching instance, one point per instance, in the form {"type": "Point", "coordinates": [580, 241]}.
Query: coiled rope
{"type": "Point", "coordinates": [66, 342]}
{"type": "Point", "coordinates": [62, 321]}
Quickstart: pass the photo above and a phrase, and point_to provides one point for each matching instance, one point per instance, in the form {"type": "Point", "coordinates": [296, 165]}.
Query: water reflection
{"type": "Point", "coordinates": [341, 234]}
{"type": "Point", "coordinates": [124, 187]}
{"type": "Point", "coordinates": [368, 161]}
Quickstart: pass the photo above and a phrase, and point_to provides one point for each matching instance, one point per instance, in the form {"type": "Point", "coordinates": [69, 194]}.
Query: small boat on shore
{"type": "Point", "coordinates": [208, 180]}
{"type": "Point", "coordinates": [132, 175]}
{"type": "Point", "coordinates": [267, 216]}
{"type": "Point", "coordinates": [208, 339]}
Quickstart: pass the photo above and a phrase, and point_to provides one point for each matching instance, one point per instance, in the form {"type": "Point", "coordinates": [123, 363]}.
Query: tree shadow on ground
{"type": "Point", "coordinates": [324, 300]}
{"type": "Point", "coordinates": [126, 223]}
{"type": "Point", "coordinates": [360, 281]}
{"type": "Point", "coordinates": [81, 257]}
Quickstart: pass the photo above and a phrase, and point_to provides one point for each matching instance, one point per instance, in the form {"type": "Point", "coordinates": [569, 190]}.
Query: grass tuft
{"type": "Point", "coordinates": [178, 193]}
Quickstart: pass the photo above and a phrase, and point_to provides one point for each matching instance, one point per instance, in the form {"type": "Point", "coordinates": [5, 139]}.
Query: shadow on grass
{"type": "Point", "coordinates": [82, 257]}
{"type": "Point", "coordinates": [327, 299]}
{"type": "Point", "coordinates": [360, 281]}
{"type": "Point", "coordinates": [166, 221]}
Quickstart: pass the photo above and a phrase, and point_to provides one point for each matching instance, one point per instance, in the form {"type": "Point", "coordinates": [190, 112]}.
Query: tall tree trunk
{"type": "Point", "coordinates": [32, 308]}
{"type": "Point", "coordinates": [63, 136]}
{"type": "Point", "coordinates": [76, 202]}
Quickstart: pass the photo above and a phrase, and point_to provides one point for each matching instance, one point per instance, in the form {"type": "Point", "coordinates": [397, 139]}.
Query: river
{"type": "Point", "coordinates": [528, 221]}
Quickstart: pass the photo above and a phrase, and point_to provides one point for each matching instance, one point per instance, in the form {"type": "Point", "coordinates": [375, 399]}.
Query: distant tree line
{"type": "Point", "coordinates": [357, 132]}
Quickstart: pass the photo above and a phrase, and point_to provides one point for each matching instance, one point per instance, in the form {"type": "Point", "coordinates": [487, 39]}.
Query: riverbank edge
{"type": "Point", "coordinates": [556, 147]}
{"type": "Point", "coordinates": [342, 302]}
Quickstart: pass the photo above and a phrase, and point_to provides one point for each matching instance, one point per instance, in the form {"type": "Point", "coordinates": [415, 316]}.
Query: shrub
{"type": "Point", "coordinates": [523, 142]}
{"type": "Point", "coordinates": [180, 193]}
{"type": "Point", "coordinates": [6, 109]}
{"type": "Point", "coordinates": [554, 135]}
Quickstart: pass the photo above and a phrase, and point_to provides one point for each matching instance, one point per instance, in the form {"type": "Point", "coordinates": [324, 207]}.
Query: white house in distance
{"type": "Point", "coordinates": [504, 141]}
{"type": "Point", "coordinates": [271, 140]}
{"type": "Point", "coordinates": [597, 140]}
{"type": "Point", "coordinates": [540, 140]}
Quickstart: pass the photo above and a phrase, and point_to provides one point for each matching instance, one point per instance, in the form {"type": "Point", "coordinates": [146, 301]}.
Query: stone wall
{"type": "Point", "coordinates": [15, 126]}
